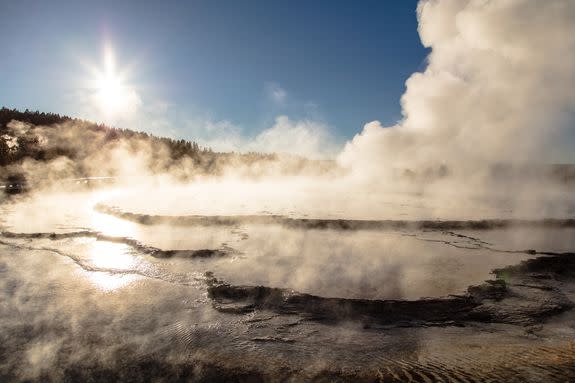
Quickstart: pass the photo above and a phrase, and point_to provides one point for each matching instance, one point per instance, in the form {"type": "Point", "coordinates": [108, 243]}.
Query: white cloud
{"type": "Point", "coordinates": [304, 137]}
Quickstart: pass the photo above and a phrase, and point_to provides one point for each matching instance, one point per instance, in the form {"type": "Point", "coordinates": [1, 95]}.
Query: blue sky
{"type": "Point", "coordinates": [236, 64]}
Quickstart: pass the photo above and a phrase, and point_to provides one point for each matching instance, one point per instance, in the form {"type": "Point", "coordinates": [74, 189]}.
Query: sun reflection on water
{"type": "Point", "coordinates": [112, 226]}
{"type": "Point", "coordinates": [113, 256]}
{"type": "Point", "coordinates": [107, 282]}
{"type": "Point", "coordinates": [115, 264]}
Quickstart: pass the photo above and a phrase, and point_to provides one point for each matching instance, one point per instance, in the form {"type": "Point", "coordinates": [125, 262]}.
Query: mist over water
{"type": "Point", "coordinates": [139, 287]}
{"type": "Point", "coordinates": [480, 125]}
{"type": "Point", "coordinates": [440, 248]}
{"type": "Point", "coordinates": [375, 264]}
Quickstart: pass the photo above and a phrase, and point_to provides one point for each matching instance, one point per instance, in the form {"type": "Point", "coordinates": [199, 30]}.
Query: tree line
{"type": "Point", "coordinates": [15, 148]}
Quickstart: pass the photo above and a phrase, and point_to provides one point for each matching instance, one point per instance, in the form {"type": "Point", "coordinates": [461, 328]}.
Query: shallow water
{"type": "Point", "coordinates": [371, 264]}
{"type": "Point", "coordinates": [80, 306]}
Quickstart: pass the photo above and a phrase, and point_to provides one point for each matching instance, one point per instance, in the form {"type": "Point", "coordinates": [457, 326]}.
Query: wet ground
{"type": "Point", "coordinates": [94, 288]}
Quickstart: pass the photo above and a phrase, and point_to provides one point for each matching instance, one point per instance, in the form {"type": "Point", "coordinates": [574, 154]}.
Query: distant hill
{"type": "Point", "coordinates": [45, 147]}
{"type": "Point", "coordinates": [70, 147]}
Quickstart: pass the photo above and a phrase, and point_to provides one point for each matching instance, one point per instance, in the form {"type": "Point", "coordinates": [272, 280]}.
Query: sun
{"type": "Point", "coordinates": [113, 95]}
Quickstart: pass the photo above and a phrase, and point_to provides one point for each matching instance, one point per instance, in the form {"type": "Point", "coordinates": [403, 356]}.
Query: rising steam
{"type": "Point", "coordinates": [497, 88]}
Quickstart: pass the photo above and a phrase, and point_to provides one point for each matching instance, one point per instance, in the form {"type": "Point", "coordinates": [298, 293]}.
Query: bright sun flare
{"type": "Point", "coordinates": [113, 95]}
{"type": "Point", "coordinates": [110, 93]}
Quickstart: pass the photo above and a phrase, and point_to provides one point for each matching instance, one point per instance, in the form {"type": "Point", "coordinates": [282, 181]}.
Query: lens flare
{"type": "Point", "coordinates": [114, 96]}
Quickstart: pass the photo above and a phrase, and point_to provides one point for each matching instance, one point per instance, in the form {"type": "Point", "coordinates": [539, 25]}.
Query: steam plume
{"type": "Point", "coordinates": [497, 88]}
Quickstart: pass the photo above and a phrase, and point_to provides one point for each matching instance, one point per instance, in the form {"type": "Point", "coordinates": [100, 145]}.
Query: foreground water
{"type": "Point", "coordinates": [128, 293]}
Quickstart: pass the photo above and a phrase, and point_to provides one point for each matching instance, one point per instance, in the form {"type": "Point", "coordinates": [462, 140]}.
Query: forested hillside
{"type": "Point", "coordinates": [77, 148]}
